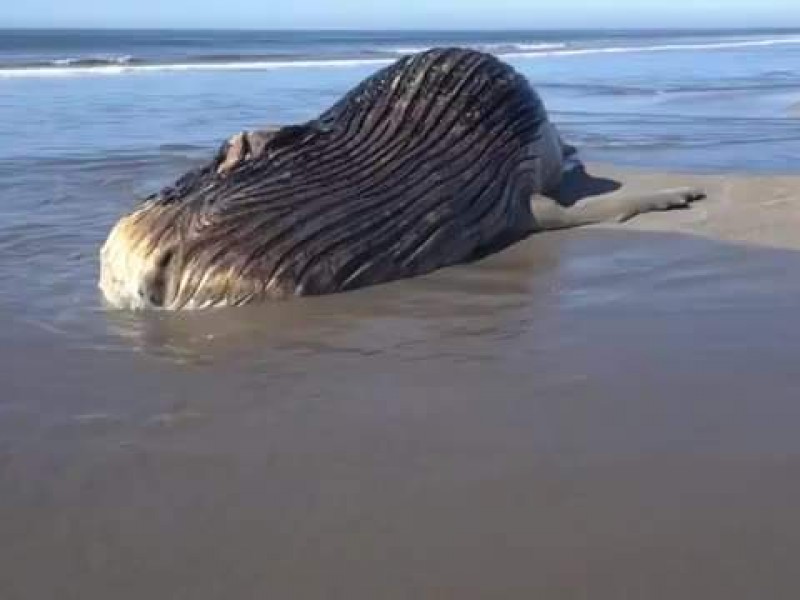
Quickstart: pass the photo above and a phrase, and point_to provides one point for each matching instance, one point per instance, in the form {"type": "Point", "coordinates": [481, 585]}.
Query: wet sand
{"type": "Point", "coordinates": [602, 413]}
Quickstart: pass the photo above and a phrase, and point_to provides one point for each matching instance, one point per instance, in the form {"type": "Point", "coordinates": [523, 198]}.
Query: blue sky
{"type": "Point", "coordinates": [400, 14]}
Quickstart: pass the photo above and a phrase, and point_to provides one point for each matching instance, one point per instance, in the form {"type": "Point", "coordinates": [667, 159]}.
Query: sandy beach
{"type": "Point", "coordinates": [757, 210]}
{"type": "Point", "coordinates": [601, 413]}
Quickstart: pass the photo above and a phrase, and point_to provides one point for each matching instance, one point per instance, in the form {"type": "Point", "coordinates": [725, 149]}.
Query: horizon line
{"type": "Point", "coordinates": [401, 29]}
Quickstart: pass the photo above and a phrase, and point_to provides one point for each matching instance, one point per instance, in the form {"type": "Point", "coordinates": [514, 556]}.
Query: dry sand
{"type": "Point", "coordinates": [758, 210]}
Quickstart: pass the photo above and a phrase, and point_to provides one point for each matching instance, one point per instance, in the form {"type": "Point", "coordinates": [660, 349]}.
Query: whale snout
{"type": "Point", "coordinates": [133, 265]}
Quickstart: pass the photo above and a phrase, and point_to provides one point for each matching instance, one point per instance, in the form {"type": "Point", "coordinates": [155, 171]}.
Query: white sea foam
{"type": "Point", "coordinates": [409, 49]}
{"type": "Point", "coordinates": [122, 69]}
{"type": "Point", "coordinates": [123, 65]}
{"type": "Point", "coordinates": [499, 48]}
{"type": "Point", "coordinates": [521, 47]}
{"type": "Point", "coordinates": [661, 48]}
{"type": "Point", "coordinates": [93, 61]}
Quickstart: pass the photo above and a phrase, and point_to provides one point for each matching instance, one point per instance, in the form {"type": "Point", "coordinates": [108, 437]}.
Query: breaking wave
{"type": "Point", "coordinates": [119, 65]}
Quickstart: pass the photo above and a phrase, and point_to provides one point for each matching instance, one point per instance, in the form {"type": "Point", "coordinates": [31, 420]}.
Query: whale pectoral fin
{"type": "Point", "coordinates": [670, 199]}
{"type": "Point", "coordinates": [549, 214]}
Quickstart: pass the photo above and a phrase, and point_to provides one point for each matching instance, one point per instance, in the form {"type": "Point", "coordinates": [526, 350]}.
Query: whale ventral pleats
{"type": "Point", "coordinates": [420, 166]}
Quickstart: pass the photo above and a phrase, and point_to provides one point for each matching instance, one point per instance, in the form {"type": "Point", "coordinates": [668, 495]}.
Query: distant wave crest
{"type": "Point", "coordinates": [117, 65]}
{"type": "Point", "coordinates": [243, 65]}
{"type": "Point", "coordinates": [90, 61]}
{"type": "Point", "coordinates": [498, 48]}
{"type": "Point", "coordinates": [726, 45]}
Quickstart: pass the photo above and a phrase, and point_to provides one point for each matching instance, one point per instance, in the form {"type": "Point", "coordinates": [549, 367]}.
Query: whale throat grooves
{"type": "Point", "coordinates": [420, 166]}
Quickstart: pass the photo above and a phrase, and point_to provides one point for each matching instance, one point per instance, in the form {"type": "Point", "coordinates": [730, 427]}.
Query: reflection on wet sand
{"type": "Point", "coordinates": [587, 414]}
{"type": "Point", "coordinates": [365, 320]}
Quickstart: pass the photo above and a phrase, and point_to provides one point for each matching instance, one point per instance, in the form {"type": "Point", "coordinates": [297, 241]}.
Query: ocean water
{"type": "Point", "coordinates": [698, 100]}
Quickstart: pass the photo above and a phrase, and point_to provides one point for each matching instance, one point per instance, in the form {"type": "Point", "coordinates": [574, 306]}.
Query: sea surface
{"type": "Point", "coordinates": [693, 99]}
{"type": "Point", "coordinates": [588, 414]}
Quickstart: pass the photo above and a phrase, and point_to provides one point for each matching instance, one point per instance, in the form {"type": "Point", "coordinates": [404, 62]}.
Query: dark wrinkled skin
{"type": "Point", "coordinates": [427, 163]}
